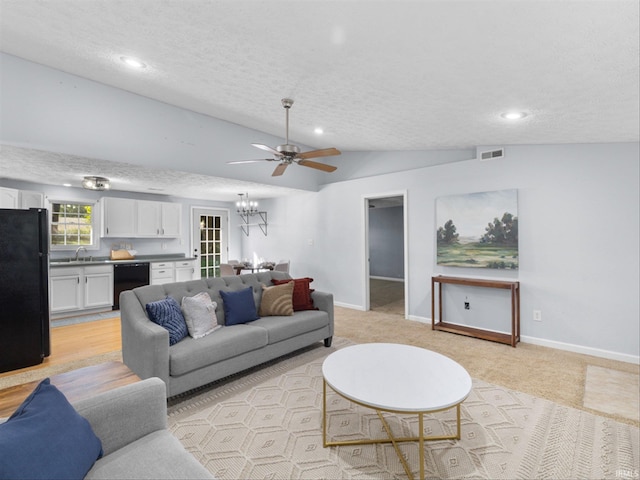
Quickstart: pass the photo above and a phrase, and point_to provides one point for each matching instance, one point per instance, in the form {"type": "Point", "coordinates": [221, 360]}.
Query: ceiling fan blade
{"type": "Point", "coordinates": [325, 152]}
{"type": "Point", "coordinates": [318, 166]}
{"type": "Point", "coordinates": [266, 147]}
{"type": "Point", "coordinates": [252, 161]}
{"type": "Point", "coordinates": [279, 169]}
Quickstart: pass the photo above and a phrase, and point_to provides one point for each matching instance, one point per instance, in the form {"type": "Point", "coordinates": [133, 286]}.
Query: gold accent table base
{"type": "Point", "coordinates": [391, 439]}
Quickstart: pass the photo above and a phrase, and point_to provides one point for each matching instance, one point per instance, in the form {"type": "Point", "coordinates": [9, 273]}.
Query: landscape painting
{"type": "Point", "coordinates": [478, 230]}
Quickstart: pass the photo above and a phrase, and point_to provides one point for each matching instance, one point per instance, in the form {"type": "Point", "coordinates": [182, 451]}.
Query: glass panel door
{"type": "Point", "coordinates": [210, 227]}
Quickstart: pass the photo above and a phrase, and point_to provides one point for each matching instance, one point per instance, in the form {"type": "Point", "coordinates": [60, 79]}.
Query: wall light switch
{"type": "Point", "coordinates": [537, 315]}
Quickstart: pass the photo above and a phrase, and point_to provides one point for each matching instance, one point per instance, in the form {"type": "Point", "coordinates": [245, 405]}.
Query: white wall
{"type": "Point", "coordinates": [579, 238]}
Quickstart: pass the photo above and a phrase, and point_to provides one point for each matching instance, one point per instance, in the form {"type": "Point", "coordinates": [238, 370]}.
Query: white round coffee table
{"type": "Point", "coordinates": [395, 378]}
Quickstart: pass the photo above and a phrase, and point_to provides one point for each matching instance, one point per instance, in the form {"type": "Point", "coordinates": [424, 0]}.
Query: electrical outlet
{"type": "Point", "coordinates": [537, 315]}
{"type": "Point", "coordinates": [467, 306]}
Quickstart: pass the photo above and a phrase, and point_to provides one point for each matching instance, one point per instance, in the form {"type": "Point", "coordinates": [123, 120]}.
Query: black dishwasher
{"type": "Point", "coordinates": [127, 276]}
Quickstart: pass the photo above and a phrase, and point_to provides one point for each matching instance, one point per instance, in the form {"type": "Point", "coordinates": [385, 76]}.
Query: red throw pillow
{"type": "Point", "coordinates": [301, 293]}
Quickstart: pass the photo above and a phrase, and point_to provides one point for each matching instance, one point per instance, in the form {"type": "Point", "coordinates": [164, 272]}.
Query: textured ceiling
{"type": "Point", "coordinates": [376, 75]}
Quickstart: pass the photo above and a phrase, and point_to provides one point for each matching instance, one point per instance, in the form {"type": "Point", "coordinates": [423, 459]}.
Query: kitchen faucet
{"type": "Point", "coordinates": [78, 252]}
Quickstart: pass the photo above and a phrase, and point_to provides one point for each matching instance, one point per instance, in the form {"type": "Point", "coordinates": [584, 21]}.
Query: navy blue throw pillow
{"type": "Point", "coordinates": [167, 314]}
{"type": "Point", "coordinates": [46, 438]}
{"type": "Point", "coordinates": [239, 307]}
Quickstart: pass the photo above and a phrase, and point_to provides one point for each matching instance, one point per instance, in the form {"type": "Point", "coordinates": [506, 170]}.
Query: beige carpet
{"type": "Point", "coordinates": [267, 424]}
{"type": "Point", "coordinates": [555, 375]}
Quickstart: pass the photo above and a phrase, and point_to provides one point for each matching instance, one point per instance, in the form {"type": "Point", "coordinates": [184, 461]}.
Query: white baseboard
{"type": "Point", "coordinates": [595, 352]}
{"type": "Point", "coordinates": [389, 279]}
{"type": "Point", "coordinates": [348, 305]}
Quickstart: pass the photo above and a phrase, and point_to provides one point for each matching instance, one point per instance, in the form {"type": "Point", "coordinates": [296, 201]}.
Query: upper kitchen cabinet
{"type": "Point", "coordinates": [29, 199]}
{"type": "Point", "coordinates": [130, 218]}
{"type": "Point", "coordinates": [158, 219]}
{"type": "Point", "coordinates": [171, 219]}
{"type": "Point", "coordinates": [119, 217]}
{"type": "Point", "coordinates": [9, 198]}
{"type": "Point", "coordinates": [23, 199]}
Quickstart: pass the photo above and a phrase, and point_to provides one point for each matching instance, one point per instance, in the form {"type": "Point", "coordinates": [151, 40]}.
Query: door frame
{"type": "Point", "coordinates": [365, 236]}
{"type": "Point", "coordinates": [227, 232]}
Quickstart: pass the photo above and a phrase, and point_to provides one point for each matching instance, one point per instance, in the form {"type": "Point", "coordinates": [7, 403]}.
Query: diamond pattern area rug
{"type": "Point", "coordinates": [267, 424]}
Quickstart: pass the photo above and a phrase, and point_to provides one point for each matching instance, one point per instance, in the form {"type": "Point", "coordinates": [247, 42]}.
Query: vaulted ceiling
{"type": "Point", "coordinates": [375, 76]}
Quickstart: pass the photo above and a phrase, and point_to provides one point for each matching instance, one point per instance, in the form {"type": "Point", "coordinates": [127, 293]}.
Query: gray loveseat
{"type": "Point", "coordinates": [192, 363]}
{"type": "Point", "coordinates": [131, 422]}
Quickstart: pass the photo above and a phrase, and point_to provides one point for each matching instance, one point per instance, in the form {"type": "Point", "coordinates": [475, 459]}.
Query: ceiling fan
{"type": "Point", "coordinates": [288, 153]}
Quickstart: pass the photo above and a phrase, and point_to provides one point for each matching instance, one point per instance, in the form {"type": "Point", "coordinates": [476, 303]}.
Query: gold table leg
{"type": "Point", "coordinates": [394, 441]}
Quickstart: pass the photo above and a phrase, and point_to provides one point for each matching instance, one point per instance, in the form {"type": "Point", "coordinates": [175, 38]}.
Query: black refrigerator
{"type": "Point", "coordinates": [24, 288]}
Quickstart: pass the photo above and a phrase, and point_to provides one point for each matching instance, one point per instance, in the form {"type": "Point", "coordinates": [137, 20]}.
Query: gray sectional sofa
{"type": "Point", "coordinates": [131, 423]}
{"type": "Point", "coordinates": [192, 363]}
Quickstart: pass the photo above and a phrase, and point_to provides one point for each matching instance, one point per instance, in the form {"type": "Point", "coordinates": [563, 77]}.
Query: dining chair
{"type": "Point", "coordinates": [227, 270]}
{"type": "Point", "coordinates": [282, 266]}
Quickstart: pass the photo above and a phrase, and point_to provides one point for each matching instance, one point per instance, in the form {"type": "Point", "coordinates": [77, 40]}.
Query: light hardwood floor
{"type": "Point", "coordinates": [77, 342]}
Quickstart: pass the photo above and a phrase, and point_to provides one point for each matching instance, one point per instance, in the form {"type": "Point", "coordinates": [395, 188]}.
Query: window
{"type": "Point", "coordinates": [72, 224]}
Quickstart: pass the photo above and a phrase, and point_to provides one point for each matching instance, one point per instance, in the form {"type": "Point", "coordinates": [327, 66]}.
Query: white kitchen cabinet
{"type": "Point", "coordinates": [65, 292]}
{"type": "Point", "coordinates": [80, 288]}
{"type": "Point", "coordinates": [9, 197]}
{"type": "Point", "coordinates": [128, 218]}
{"type": "Point", "coordinates": [162, 272]}
{"type": "Point", "coordinates": [158, 219]}
{"type": "Point", "coordinates": [119, 217]}
{"type": "Point", "coordinates": [148, 221]}
{"type": "Point", "coordinates": [170, 219]}
{"type": "Point", "coordinates": [185, 270]}
{"type": "Point", "coordinates": [29, 199]}
{"type": "Point", "coordinates": [98, 286]}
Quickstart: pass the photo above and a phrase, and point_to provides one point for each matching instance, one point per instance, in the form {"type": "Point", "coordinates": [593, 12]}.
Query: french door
{"type": "Point", "coordinates": [209, 239]}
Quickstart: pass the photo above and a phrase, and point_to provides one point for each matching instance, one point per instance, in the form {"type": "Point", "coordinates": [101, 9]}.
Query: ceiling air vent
{"type": "Point", "coordinates": [492, 154]}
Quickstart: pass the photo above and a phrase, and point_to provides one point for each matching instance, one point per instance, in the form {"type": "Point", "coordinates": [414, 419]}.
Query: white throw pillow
{"type": "Point", "coordinates": [200, 314]}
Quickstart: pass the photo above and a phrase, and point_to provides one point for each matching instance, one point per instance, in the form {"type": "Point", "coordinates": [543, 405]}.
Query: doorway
{"type": "Point", "coordinates": [209, 239]}
{"type": "Point", "coordinates": [386, 270]}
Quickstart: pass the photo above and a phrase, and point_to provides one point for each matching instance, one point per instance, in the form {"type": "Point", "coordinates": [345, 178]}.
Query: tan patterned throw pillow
{"type": "Point", "coordinates": [277, 300]}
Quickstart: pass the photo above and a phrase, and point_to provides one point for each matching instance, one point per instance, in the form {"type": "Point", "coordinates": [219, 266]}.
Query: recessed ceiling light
{"type": "Point", "coordinates": [133, 62]}
{"type": "Point", "coordinates": [513, 115]}
{"type": "Point", "coordinates": [66, 184]}
{"type": "Point", "coordinates": [318, 131]}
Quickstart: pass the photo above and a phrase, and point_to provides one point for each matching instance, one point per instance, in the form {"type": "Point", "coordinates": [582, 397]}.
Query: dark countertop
{"type": "Point", "coordinates": [71, 262]}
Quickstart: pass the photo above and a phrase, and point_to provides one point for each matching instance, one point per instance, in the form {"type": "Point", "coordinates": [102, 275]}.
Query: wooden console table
{"type": "Point", "coordinates": [509, 339]}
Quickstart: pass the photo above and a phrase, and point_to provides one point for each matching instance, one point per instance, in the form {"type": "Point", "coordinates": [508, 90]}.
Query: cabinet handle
{"type": "Point", "coordinates": [78, 280]}
{"type": "Point", "coordinates": [157, 231]}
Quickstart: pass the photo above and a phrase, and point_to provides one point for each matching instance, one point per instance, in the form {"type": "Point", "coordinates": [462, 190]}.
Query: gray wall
{"type": "Point", "coordinates": [579, 236]}
{"type": "Point", "coordinates": [386, 242]}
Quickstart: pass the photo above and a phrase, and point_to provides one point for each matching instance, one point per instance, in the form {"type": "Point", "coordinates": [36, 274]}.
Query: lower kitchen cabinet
{"type": "Point", "coordinates": [65, 292]}
{"type": "Point", "coordinates": [186, 270]}
{"type": "Point", "coordinates": [98, 286]}
{"type": "Point", "coordinates": [168, 272]}
{"type": "Point", "coordinates": [80, 288]}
